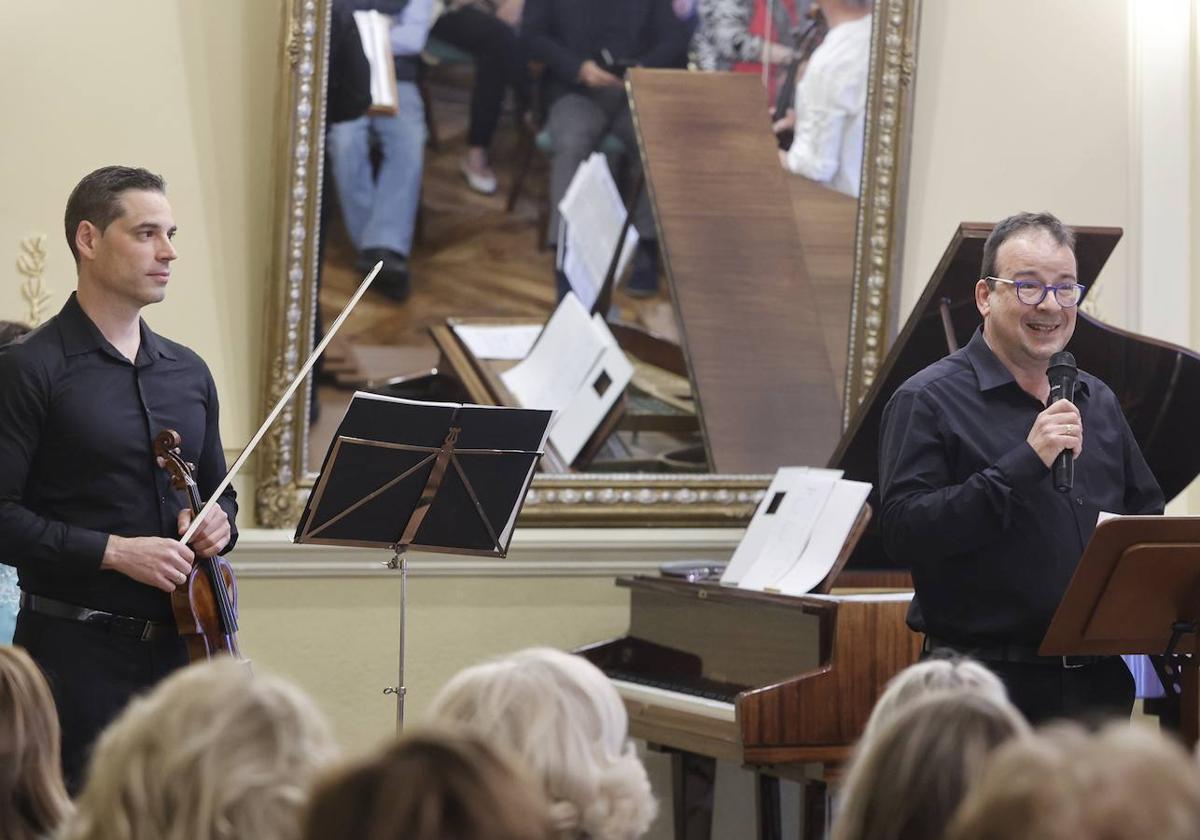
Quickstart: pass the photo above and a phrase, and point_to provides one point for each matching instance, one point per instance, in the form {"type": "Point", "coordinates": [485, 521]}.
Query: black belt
{"type": "Point", "coordinates": [1017, 654]}
{"type": "Point", "coordinates": [121, 625]}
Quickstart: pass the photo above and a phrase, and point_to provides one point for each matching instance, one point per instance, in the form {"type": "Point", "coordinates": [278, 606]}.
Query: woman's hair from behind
{"type": "Point", "coordinates": [213, 751]}
{"type": "Point", "coordinates": [1126, 782]}
{"type": "Point", "coordinates": [562, 718]}
{"type": "Point", "coordinates": [432, 786]}
{"type": "Point", "coordinates": [911, 776]}
{"type": "Point", "coordinates": [929, 676]}
{"type": "Point", "coordinates": [33, 799]}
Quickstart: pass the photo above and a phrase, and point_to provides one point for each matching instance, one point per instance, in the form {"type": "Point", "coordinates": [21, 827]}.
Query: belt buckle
{"type": "Point", "coordinates": [1070, 665]}
{"type": "Point", "coordinates": [134, 628]}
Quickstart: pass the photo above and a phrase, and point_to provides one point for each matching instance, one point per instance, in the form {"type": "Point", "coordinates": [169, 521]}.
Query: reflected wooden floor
{"type": "Point", "coordinates": [470, 258]}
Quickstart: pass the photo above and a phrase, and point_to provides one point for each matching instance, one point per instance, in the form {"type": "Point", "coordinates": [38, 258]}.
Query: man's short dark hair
{"type": "Point", "coordinates": [1015, 224]}
{"type": "Point", "coordinates": [10, 331]}
{"type": "Point", "coordinates": [97, 198]}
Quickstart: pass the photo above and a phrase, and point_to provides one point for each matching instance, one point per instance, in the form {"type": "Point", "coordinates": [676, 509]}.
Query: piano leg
{"type": "Point", "coordinates": [767, 808]}
{"type": "Point", "coordinates": [816, 810]}
{"type": "Point", "coordinates": [693, 779]}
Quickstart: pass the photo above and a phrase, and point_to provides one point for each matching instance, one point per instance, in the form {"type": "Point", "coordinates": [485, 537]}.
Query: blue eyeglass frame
{"type": "Point", "coordinates": [1029, 284]}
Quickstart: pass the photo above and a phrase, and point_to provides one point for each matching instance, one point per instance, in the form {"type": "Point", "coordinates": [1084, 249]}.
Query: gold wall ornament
{"type": "Point", "coordinates": [879, 240]}
{"type": "Point", "coordinates": [609, 500]}
{"type": "Point", "coordinates": [31, 263]}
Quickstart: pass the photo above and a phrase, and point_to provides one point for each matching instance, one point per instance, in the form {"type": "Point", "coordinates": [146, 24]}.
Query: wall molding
{"type": "Point", "coordinates": [535, 552]}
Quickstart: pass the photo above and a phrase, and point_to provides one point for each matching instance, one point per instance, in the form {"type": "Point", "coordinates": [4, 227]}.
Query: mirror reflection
{"type": "Point", "coordinates": [453, 136]}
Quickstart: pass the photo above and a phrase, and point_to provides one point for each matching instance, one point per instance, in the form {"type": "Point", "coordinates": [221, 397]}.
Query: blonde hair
{"type": "Point", "coordinates": [431, 786]}
{"type": "Point", "coordinates": [909, 779]}
{"type": "Point", "coordinates": [1125, 783]}
{"type": "Point", "coordinates": [214, 752]}
{"type": "Point", "coordinates": [566, 723]}
{"type": "Point", "coordinates": [33, 800]}
{"type": "Point", "coordinates": [929, 676]}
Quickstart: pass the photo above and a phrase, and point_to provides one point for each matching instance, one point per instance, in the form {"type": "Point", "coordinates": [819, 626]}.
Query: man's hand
{"type": "Point", "coordinates": [595, 76]}
{"type": "Point", "coordinates": [155, 561]}
{"type": "Point", "coordinates": [213, 533]}
{"type": "Point", "coordinates": [1057, 428]}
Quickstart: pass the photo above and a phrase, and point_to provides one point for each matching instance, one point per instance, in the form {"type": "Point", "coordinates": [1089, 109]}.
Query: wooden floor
{"type": "Point", "coordinates": [471, 258]}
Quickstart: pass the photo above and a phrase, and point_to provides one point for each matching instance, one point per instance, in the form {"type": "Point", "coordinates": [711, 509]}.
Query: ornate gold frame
{"type": "Point", "coordinates": [611, 500]}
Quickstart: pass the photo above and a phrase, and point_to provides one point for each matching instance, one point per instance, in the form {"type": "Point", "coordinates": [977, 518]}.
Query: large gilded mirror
{"type": "Point", "coordinates": [292, 450]}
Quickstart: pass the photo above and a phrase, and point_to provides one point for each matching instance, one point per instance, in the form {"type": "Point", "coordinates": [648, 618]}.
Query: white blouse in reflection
{"type": "Point", "coordinates": [831, 101]}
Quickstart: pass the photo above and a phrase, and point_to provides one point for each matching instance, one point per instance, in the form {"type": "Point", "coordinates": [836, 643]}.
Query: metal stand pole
{"type": "Point", "coordinates": [400, 561]}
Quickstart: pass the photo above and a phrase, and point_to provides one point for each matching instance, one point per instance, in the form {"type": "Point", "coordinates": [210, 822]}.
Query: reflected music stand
{"type": "Point", "coordinates": [1137, 591]}
{"type": "Point", "coordinates": [440, 477]}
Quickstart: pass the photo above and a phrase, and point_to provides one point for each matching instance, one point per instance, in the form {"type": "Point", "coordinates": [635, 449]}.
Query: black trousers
{"type": "Point", "coordinates": [92, 674]}
{"type": "Point", "coordinates": [499, 64]}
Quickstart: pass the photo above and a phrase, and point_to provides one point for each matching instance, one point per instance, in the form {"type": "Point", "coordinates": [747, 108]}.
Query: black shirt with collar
{"type": "Point", "coordinates": [77, 426]}
{"type": "Point", "coordinates": [971, 508]}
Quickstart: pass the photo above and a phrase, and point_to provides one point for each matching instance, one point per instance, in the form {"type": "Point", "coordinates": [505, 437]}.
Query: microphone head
{"type": "Point", "coordinates": [1063, 359]}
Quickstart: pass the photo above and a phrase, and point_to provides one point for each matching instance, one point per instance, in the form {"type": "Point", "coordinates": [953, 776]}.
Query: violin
{"type": "Point", "coordinates": [805, 43]}
{"type": "Point", "coordinates": [205, 606]}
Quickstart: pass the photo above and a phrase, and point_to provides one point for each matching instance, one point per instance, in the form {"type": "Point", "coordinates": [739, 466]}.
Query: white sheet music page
{"type": "Point", "coordinates": [498, 341]}
{"type": "Point", "coordinates": [789, 517]}
{"type": "Point", "coordinates": [830, 534]}
{"type": "Point", "coordinates": [593, 214]}
{"type": "Point", "coordinates": [559, 362]}
{"type": "Point", "coordinates": [601, 388]}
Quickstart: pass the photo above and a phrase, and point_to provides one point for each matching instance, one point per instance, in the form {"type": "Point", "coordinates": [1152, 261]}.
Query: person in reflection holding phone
{"type": "Point", "coordinates": [967, 496]}
{"type": "Point", "coordinates": [86, 517]}
{"type": "Point", "coordinates": [586, 46]}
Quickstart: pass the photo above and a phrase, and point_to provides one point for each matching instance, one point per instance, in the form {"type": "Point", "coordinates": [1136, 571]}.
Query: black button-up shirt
{"type": "Point", "coordinates": [969, 505]}
{"type": "Point", "coordinates": [77, 427]}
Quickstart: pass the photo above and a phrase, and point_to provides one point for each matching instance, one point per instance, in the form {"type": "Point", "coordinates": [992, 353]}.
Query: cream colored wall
{"type": "Point", "coordinates": [184, 88]}
{"type": "Point", "coordinates": [1020, 105]}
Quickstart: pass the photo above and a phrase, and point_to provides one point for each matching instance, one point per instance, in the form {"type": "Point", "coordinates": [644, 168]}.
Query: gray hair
{"type": "Point", "coordinates": [563, 719]}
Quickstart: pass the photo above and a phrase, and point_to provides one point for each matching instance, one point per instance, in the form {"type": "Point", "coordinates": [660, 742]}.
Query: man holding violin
{"type": "Point", "coordinates": [86, 517]}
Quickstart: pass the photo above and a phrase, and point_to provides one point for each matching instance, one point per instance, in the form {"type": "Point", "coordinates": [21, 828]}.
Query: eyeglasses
{"type": "Point", "coordinates": [1032, 292]}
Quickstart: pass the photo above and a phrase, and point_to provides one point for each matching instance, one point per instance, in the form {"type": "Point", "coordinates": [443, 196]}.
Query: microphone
{"type": "Point", "coordinates": [1062, 374]}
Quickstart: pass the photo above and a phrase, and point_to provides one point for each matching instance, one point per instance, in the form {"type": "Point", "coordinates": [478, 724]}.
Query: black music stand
{"type": "Point", "coordinates": [441, 477]}
{"type": "Point", "coordinates": [1137, 591]}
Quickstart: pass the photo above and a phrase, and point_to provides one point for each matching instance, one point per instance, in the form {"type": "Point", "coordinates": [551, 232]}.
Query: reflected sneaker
{"type": "Point", "coordinates": [481, 182]}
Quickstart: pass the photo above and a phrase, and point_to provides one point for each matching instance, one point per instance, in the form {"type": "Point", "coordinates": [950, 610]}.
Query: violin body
{"type": "Point", "coordinates": [196, 605]}
{"type": "Point", "coordinates": [205, 606]}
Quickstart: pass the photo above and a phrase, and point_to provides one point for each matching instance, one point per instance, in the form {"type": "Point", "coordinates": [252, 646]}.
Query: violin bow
{"type": "Point", "coordinates": [287, 395]}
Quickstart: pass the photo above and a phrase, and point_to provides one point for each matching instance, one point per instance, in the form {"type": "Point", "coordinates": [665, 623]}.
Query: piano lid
{"type": "Point", "coordinates": [753, 320]}
{"type": "Point", "coordinates": [1151, 378]}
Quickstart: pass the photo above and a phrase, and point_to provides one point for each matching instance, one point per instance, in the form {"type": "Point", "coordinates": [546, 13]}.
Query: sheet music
{"type": "Point", "coordinates": [374, 30]}
{"type": "Point", "coordinates": [830, 534]}
{"type": "Point", "coordinates": [593, 215]}
{"type": "Point", "coordinates": [559, 362]}
{"type": "Point", "coordinates": [498, 341]}
{"type": "Point", "coordinates": [762, 525]}
{"type": "Point", "coordinates": [792, 527]}
{"type": "Point", "coordinates": [601, 388]}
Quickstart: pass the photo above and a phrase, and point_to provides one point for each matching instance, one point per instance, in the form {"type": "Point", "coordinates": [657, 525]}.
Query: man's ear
{"type": "Point", "coordinates": [87, 235]}
{"type": "Point", "coordinates": [983, 297]}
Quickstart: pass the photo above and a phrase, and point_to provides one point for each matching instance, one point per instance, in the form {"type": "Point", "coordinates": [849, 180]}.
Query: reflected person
{"type": "Point", "coordinates": [829, 116]}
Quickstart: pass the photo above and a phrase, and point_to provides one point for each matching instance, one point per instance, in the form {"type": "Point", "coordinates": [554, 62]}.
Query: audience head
{"type": "Point", "coordinates": [429, 787]}
{"type": "Point", "coordinates": [931, 675]}
{"type": "Point", "coordinates": [563, 719]}
{"type": "Point", "coordinates": [906, 782]}
{"type": "Point", "coordinates": [1124, 783]}
{"type": "Point", "coordinates": [10, 331]}
{"type": "Point", "coordinates": [33, 800]}
{"type": "Point", "coordinates": [213, 752]}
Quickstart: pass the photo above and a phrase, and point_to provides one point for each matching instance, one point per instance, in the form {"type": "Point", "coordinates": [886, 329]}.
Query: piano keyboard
{"type": "Point", "coordinates": [669, 699]}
